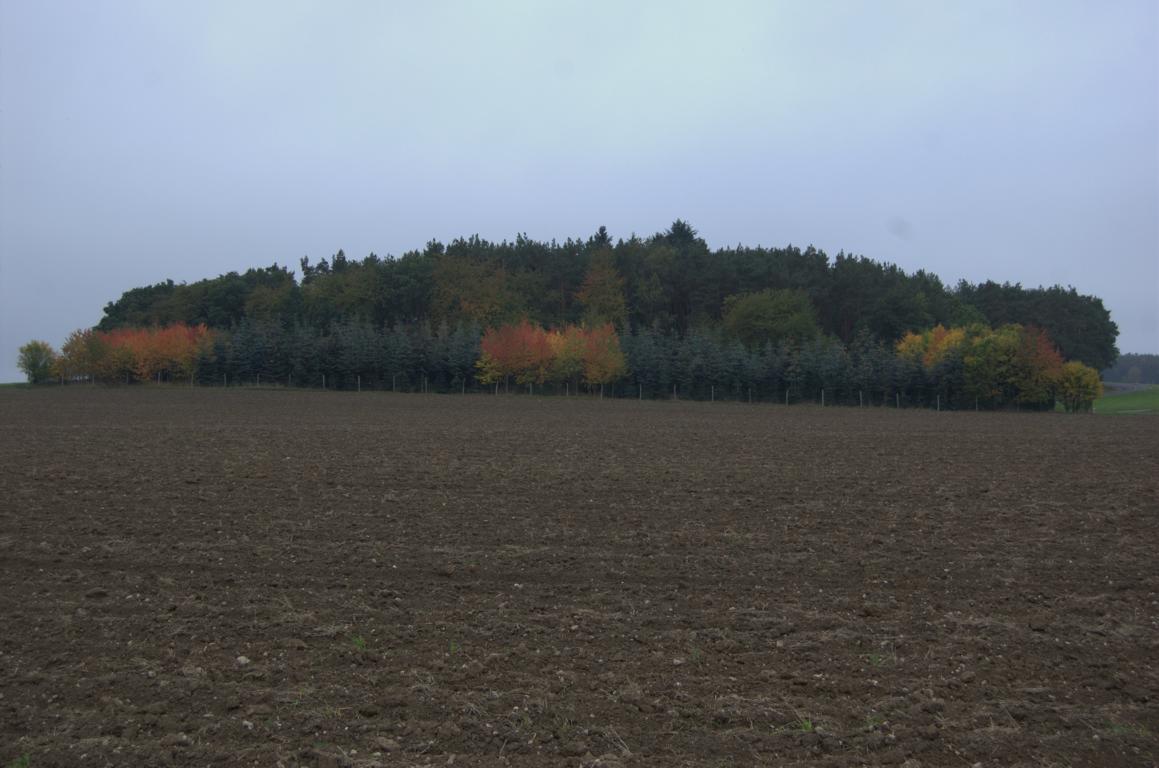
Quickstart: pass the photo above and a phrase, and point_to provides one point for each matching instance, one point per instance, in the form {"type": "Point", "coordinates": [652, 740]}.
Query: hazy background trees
{"type": "Point", "coordinates": [1134, 369]}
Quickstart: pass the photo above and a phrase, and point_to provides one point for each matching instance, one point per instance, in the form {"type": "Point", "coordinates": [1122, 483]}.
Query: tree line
{"type": "Point", "coordinates": [972, 366]}
{"type": "Point", "coordinates": [670, 283]}
{"type": "Point", "coordinates": [1134, 369]}
{"type": "Point", "coordinates": [655, 317]}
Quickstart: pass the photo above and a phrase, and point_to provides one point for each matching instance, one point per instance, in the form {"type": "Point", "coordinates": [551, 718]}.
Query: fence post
{"type": "Point", "coordinates": [822, 397]}
{"type": "Point", "coordinates": [360, 382]}
{"type": "Point", "coordinates": [786, 395]}
{"type": "Point", "coordinates": [897, 399]}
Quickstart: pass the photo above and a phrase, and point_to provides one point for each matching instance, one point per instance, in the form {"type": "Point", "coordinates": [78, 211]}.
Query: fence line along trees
{"type": "Point", "coordinates": [1012, 366]}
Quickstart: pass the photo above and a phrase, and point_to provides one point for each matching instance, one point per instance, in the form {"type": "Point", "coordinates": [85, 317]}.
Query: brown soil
{"type": "Point", "coordinates": [214, 577]}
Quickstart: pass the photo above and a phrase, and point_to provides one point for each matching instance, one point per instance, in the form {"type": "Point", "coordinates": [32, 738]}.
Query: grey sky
{"type": "Point", "coordinates": [148, 140]}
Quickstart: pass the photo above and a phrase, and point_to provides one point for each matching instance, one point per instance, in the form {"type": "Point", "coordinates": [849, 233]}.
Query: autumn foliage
{"type": "Point", "coordinates": [931, 347]}
{"type": "Point", "coordinates": [1010, 365]}
{"type": "Point", "coordinates": [1078, 387]}
{"type": "Point", "coordinates": [134, 353]}
{"type": "Point", "coordinates": [530, 354]}
{"type": "Point", "coordinates": [965, 367]}
{"type": "Point", "coordinates": [603, 360]}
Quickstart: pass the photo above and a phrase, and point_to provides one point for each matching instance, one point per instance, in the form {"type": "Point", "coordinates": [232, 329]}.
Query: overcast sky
{"type": "Point", "coordinates": [141, 141]}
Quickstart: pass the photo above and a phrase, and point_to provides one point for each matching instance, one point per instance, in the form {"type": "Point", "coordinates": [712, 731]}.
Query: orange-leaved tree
{"type": "Point", "coordinates": [521, 351]}
{"type": "Point", "coordinates": [81, 355]}
{"type": "Point", "coordinates": [120, 353]}
{"type": "Point", "coordinates": [145, 353]}
{"type": "Point", "coordinates": [943, 342]}
{"type": "Point", "coordinates": [932, 346]}
{"type": "Point", "coordinates": [531, 355]}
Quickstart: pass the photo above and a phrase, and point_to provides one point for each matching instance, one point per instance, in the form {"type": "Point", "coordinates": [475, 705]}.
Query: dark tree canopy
{"type": "Point", "coordinates": [670, 283]}
{"type": "Point", "coordinates": [1080, 325]}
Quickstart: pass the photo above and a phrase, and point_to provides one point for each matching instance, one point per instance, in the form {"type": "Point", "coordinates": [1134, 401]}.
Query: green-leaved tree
{"type": "Point", "coordinates": [36, 361]}
{"type": "Point", "coordinates": [770, 316]}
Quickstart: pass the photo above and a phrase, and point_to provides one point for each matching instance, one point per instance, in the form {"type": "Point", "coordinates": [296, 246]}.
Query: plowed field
{"type": "Point", "coordinates": [208, 577]}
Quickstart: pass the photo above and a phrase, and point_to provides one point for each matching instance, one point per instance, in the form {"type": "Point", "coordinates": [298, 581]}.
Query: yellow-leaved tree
{"type": "Point", "coordinates": [1078, 387]}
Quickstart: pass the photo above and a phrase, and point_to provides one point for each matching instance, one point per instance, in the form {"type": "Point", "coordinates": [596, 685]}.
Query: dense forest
{"type": "Point", "coordinates": [1134, 369]}
{"type": "Point", "coordinates": [656, 317]}
{"type": "Point", "coordinates": [670, 284]}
